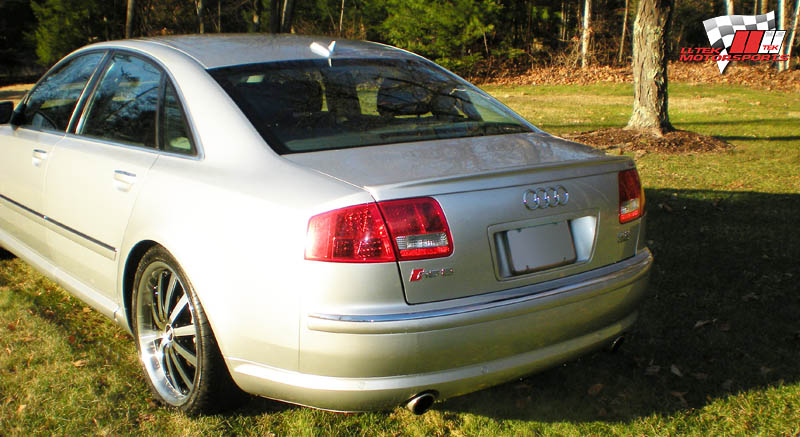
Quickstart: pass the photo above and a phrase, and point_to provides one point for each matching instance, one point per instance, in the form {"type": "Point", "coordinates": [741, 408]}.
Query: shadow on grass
{"type": "Point", "coordinates": [6, 255]}
{"type": "Point", "coordinates": [722, 318]}
{"type": "Point", "coordinates": [739, 138]}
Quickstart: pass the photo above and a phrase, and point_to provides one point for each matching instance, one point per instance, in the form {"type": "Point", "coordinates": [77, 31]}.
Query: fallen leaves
{"type": "Point", "coordinates": [633, 140]}
{"type": "Point", "coordinates": [652, 369]}
{"type": "Point", "coordinates": [79, 363]}
{"type": "Point", "coordinates": [675, 371]}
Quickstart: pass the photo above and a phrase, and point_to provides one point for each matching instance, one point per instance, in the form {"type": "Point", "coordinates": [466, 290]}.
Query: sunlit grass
{"type": "Point", "coordinates": [716, 351]}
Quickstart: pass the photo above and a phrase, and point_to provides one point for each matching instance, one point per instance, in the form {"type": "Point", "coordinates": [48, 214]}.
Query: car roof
{"type": "Point", "coordinates": [223, 50]}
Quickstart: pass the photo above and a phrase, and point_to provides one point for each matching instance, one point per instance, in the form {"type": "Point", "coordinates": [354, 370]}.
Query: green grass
{"type": "Point", "coordinates": [717, 350]}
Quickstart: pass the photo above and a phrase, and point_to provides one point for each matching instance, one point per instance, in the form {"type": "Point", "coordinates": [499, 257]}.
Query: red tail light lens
{"type": "Point", "coordinates": [356, 234]}
{"type": "Point", "coordinates": [631, 196]}
{"type": "Point", "coordinates": [418, 228]}
{"type": "Point", "coordinates": [410, 228]}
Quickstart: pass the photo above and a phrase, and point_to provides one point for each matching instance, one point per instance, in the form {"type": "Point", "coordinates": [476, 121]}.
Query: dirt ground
{"type": "Point", "coordinates": [622, 140]}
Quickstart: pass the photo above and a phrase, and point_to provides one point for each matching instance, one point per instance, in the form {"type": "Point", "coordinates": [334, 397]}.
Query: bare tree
{"type": "Point", "coordinates": [281, 14]}
{"type": "Point", "coordinates": [257, 8]}
{"type": "Point", "coordinates": [586, 35]}
{"type": "Point", "coordinates": [200, 5]}
{"type": "Point", "coordinates": [624, 30]}
{"type": "Point", "coordinates": [129, 18]}
{"type": "Point", "coordinates": [729, 7]}
{"type": "Point", "coordinates": [650, 103]}
{"type": "Point", "coordinates": [789, 41]}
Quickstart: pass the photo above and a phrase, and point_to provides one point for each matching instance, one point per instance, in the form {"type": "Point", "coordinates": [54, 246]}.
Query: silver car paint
{"type": "Point", "coordinates": [236, 217]}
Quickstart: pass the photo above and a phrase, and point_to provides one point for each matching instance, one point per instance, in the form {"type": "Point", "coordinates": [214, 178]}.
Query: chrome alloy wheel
{"type": "Point", "coordinates": [167, 333]}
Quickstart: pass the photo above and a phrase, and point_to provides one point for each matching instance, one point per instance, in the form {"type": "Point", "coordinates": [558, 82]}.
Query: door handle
{"type": "Point", "coordinates": [124, 180]}
{"type": "Point", "coordinates": [39, 155]}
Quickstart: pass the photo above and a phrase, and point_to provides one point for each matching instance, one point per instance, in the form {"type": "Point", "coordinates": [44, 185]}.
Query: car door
{"type": "Point", "coordinates": [96, 172]}
{"type": "Point", "coordinates": [25, 149]}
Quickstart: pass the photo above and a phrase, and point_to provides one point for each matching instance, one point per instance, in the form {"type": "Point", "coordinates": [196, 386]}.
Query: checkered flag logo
{"type": "Point", "coordinates": [759, 31]}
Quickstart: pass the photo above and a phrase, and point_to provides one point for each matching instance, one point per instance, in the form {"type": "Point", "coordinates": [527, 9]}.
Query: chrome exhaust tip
{"type": "Point", "coordinates": [421, 403]}
{"type": "Point", "coordinates": [616, 344]}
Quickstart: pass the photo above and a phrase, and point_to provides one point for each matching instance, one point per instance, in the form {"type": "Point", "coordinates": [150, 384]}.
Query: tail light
{"type": "Point", "coordinates": [418, 228]}
{"type": "Point", "coordinates": [631, 196]}
{"type": "Point", "coordinates": [393, 230]}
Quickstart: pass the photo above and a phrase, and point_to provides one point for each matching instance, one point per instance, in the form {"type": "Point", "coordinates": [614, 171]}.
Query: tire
{"type": "Point", "coordinates": [181, 360]}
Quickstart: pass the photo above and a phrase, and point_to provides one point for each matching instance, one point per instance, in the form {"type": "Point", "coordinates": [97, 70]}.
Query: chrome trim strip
{"type": "Point", "coordinates": [84, 240]}
{"type": "Point", "coordinates": [623, 273]}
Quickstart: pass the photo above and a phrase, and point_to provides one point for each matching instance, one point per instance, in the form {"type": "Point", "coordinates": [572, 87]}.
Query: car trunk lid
{"type": "Point", "coordinates": [486, 188]}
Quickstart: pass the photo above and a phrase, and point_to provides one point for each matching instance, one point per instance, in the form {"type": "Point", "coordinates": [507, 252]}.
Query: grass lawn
{"type": "Point", "coordinates": [717, 350]}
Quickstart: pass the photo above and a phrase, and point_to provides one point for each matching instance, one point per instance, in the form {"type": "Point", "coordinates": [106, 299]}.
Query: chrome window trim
{"type": "Point", "coordinates": [166, 75]}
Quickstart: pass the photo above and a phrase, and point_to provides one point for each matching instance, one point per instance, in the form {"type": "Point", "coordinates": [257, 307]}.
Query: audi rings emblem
{"type": "Point", "coordinates": [545, 197]}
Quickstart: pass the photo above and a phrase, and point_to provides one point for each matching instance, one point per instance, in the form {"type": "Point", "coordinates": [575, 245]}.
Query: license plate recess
{"type": "Point", "coordinates": [541, 247]}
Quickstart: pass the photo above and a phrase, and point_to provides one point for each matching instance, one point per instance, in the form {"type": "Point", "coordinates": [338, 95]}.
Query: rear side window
{"type": "Point", "coordinates": [52, 102]}
{"type": "Point", "coordinates": [176, 136]}
{"type": "Point", "coordinates": [125, 104]}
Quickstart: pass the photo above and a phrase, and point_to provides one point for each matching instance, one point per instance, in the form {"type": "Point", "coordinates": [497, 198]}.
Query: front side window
{"type": "Point", "coordinates": [124, 106]}
{"type": "Point", "coordinates": [52, 102]}
{"type": "Point", "coordinates": [306, 106]}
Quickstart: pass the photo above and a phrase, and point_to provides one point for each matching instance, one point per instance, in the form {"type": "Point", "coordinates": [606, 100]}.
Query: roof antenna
{"type": "Point", "coordinates": [321, 50]}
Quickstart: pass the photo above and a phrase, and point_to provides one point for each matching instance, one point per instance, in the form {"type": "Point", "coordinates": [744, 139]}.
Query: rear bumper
{"type": "Point", "coordinates": [368, 362]}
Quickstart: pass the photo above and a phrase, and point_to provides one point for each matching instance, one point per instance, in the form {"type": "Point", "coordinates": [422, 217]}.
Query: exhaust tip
{"type": "Point", "coordinates": [616, 344]}
{"type": "Point", "coordinates": [421, 403]}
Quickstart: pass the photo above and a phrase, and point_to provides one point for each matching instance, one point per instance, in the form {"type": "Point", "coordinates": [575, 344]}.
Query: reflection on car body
{"type": "Point", "coordinates": [350, 231]}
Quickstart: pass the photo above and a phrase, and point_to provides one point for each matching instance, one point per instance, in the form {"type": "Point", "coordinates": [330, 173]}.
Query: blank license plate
{"type": "Point", "coordinates": [540, 247]}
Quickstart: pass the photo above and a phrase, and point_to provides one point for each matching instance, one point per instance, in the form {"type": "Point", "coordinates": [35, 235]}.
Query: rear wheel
{"type": "Point", "coordinates": [177, 349]}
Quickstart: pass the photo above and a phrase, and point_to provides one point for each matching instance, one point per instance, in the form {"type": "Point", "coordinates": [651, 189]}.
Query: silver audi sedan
{"type": "Point", "coordinates": [338, 224]}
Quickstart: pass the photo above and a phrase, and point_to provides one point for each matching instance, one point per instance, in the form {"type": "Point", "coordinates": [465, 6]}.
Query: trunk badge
{"type": "Point", "coordinates": [418, 274]}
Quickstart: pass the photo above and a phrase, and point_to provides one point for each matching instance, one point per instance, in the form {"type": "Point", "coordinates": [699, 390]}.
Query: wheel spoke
{"type": "Point", "coordinates": [173, 285]}
{"type": "Point", "coordinates": [162, 313]}
{"type": "Point", "coordinates": [169, 365]}
{"type": "Point", "coordinates": [184, 331]}
{"type": "Point", "coordinates": [157, 320]}
{"type": "Point", "coordinates": [183, 302]}
{"type": "Point", "coordinates": [181, 371]}
{"type": "Point", "coordinates": [188, 355]}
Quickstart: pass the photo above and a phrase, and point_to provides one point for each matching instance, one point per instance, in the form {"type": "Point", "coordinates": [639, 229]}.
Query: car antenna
{"type": "Point", "coordinates": [326, 52]}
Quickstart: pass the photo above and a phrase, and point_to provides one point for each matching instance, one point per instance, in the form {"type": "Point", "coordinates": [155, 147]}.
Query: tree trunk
{"type": "Point", "coordinates": [341, 18]}
{"type": "Point", "coordinates": [200, 9]}
{"type": "Point", "coordinates": [287, 14]}
{"type": "Point", "coordinates": [624, 30]}
{"type": "Point", "coordinates": [586, 36]}
{"type": "Point", "coordinates": [257, 8]}
{"type": "Point", "coordinates": [781, 25]}
{"type": "Point", "coordinates": [275, 16]}
{"type": "Point", "coordinates": [763, 6]}
{"type": "Point", "coordinates": [650, 103]}
{"type": "Point", "coordinates": [219, 16]}
{"type": "Point", "coordinates": [729, 7]}
{"type": "Point", "coordinates": [789, 41]}
{"type": "Point", "coordinates": [129, 18]}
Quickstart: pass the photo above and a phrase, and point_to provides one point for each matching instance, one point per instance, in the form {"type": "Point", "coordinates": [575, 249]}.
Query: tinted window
{"type": "Point", "coordinates": [176, 136]}
{"type": "Point", "coordinates": [124, 106]}
{"type": "Point", "coordinates": [52, 102]}
{"type": "Point", "coordinates": [304, 106]}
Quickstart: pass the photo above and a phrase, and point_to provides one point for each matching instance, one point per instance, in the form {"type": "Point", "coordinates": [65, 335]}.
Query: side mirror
{"type": "Point", "coordinates": [6, 110]}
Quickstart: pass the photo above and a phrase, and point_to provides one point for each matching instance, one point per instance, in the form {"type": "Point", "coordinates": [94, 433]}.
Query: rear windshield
{"type": "Point", "coordinates": [307, 106]}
